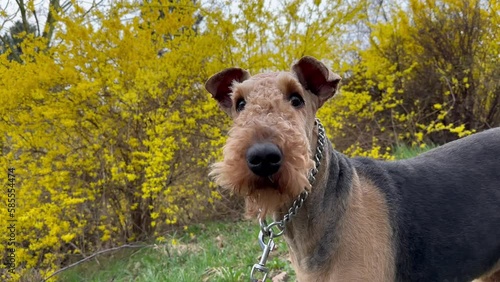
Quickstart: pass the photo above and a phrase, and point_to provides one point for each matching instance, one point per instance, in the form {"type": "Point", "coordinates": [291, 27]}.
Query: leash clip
{"type": "Point", "coordinates": [261, 265]}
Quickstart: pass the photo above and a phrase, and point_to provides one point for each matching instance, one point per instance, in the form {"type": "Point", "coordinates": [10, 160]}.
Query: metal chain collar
{"type": "Point", "coordinates": [266, 230]}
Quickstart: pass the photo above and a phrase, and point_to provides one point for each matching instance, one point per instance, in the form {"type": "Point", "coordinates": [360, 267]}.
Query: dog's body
{"type": "Point", "coordinates": [435, 217]}
{"type": "Point", "coordinates": [446, 208]}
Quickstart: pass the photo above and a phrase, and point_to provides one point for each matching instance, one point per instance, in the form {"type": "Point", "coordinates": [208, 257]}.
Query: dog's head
{"type": "Point", "coordinates": [267, 156]}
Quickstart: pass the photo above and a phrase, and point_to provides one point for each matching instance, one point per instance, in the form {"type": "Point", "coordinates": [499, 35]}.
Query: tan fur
{"type": "Point", "coordinates": [267, 117]}
{"type": "Point", "coordinates": [365, 252]}
{"type": "Point", "coordinates": [491, 276]}
{"type": "Point", "coordinates": [495, 277]}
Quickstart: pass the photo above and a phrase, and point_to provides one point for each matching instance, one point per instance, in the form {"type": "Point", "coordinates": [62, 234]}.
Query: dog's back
{"type": "Point", "coordinates": [445, 208]}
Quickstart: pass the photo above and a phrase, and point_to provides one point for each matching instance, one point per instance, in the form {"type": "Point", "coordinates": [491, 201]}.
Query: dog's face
{"type": "Point", "coordinates": [267, 156]}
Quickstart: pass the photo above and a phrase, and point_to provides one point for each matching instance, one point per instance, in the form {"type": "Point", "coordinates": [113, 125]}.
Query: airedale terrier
{"type": "Point", "coordinates": [435, 217]}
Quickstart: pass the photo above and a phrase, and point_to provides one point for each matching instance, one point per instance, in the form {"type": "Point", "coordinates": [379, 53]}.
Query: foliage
{"type": "Point", "coordinates": [104, 134]}
{"type": "Point", "coordinates": [427, 76]}
{"type": "Point", "coordinates": [430, 57]}
{"type": "Point", "coordinates": [12, 40]}
{"type": "Point", "coordinates": [106, 121]}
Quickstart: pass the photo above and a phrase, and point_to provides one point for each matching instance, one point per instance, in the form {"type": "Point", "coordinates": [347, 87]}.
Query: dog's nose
{"type": "Point", "coordinates": [264, 159]}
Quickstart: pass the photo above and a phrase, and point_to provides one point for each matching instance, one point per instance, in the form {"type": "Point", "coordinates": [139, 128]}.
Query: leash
{"type": "Point", "coordinates": [266, 230]}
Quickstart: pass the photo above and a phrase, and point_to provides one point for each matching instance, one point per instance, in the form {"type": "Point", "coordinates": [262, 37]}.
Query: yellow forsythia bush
{"type": "Point", "coordinates": [110, 141]}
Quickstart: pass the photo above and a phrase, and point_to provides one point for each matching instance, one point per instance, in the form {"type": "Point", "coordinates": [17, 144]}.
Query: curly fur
{"type": "Point", "coordinates": [267, 116]}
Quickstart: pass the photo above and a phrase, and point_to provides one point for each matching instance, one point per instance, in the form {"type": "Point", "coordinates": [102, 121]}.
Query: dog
{"type": "Point", "coordinates": [434, 217]}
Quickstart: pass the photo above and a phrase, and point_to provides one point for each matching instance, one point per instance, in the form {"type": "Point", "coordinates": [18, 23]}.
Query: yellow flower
{"type": "Point", "coordinates": [68, 237]}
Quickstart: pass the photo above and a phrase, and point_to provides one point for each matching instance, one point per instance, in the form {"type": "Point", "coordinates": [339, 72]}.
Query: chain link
{"type": "Point", "coordinates": [319, 151]}
{"type": "Point", "coordinates": [266, 230]}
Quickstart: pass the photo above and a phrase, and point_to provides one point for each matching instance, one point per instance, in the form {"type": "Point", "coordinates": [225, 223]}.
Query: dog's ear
{"type": "Point", "coordinates": [219, 85]}
{"type": "Point", "coordinates": [317, 78]}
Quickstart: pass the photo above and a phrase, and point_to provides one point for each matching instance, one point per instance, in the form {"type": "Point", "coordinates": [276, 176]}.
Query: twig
{"type": "Point", "coordinates": [92, 256]}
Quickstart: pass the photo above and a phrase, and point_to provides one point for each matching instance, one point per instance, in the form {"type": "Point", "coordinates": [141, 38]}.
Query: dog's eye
{"type": "Point", "coordinates": [240, 104]}
{"type": "Point", "coordinates": [296, 100]}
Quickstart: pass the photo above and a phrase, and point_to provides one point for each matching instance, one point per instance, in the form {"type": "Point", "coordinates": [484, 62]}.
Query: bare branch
{"type": "Point", "coordinates": [37, 22]}
{"type": "Point", "coordinates": [94, 255]}
{"type": "Point", "coordinates": [94, 5]}
{"type": "Point", "coordinates": [22, 9]}
{"type": "Point", "coordinates": [8, 18]}
{"type": "Point", "coordinates": [65, 7]}
{"type": "Point", "coordinates": [54, 8]}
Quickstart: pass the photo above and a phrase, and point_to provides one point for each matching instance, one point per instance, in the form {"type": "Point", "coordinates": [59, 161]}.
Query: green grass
{"type": "Point", "coordinates": [217, 251]}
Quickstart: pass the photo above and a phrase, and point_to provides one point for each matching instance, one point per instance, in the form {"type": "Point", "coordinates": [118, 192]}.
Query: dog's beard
{"type": "Point", "coordinates": [264, 194]}
{"type": "Point", "coordinates": [267, 194]}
